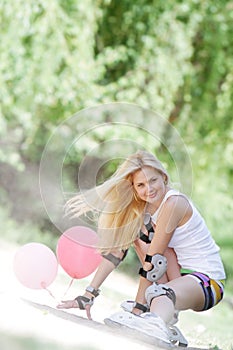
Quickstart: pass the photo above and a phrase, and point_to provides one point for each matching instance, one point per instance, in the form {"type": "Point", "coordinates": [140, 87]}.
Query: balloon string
{"type": "Point", "coordinates": [70, 284]}
{"type": "Point", "coordinates": [47, 290]}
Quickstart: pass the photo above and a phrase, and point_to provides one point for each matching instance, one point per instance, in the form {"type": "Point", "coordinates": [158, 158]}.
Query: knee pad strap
{"type": "Point", "coordinates": [156, 290]}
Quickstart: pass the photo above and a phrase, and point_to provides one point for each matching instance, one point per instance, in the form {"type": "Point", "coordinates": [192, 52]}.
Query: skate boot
{"type": "Point", "coordinates": [148, 324]}
{"type": "Point", "coordinates": [175, 335]}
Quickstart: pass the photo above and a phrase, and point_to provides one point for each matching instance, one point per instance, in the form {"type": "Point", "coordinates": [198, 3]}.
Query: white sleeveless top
{"type": "Point", "coordinates": [194, 246]}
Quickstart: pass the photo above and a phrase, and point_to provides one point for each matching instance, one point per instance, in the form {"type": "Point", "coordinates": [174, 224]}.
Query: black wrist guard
{"type": "Point", "coordinates": [84, 301]}
{"type": "Point", "coordinates": [93, 291]}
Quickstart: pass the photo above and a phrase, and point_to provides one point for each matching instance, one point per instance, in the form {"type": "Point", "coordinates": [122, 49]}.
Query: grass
{"type": "Point", "coordinates": [212, 328]}
{"type": "Point", "coordinates": [14, 342]}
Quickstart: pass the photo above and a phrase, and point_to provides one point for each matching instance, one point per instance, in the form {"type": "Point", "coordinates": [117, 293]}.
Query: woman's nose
{"type": "Point", "coordinates": [149, 188]}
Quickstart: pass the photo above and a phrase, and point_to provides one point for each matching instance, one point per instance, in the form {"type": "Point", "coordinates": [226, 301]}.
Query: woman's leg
{"type": "Point", "coordinates": [173, 268]}
{"type": "Point", "coordinates": [141, 249]}
{"type": "Point", "coordinates": [187, 286]}
{"type": "Point", "coordinates": [184, 287]}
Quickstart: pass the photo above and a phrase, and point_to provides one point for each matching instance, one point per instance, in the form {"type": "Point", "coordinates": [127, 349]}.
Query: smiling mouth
{"type": "Point", "coordinates": [152, 195]}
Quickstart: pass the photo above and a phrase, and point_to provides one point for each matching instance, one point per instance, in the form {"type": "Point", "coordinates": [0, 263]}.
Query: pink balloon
{"type": "Point", "coordinates": [35, 265]}
{"type": "Point", "coordinates": [76, 251]}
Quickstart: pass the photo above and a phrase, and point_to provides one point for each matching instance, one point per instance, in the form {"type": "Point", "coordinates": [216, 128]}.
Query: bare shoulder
{"type": "Point", "coordinates": [180, 206]}
{"type": "Point", "coordinates": [177, 205]}
{"type": "Point", "coordinates": [177, 200]}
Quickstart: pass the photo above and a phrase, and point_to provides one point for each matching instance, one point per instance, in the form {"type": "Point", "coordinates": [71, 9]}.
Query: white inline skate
{"type": "Point", "coordinates": [148, 323]}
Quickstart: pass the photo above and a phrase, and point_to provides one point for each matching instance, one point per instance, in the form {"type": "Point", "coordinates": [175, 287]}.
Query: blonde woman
{"type": "Point", "coordinates": [181, 265]}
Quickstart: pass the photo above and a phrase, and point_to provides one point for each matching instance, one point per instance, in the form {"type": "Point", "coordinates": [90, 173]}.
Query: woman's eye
{"type": "Point", "coordinates": [139, 185]}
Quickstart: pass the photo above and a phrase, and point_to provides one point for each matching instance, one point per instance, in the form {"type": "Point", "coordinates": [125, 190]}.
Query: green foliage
{"type": "Point", "coordinates": [22, 233]}
{"type": "Point", "coordinates": [137, 61]}
{"type": "Point", "coordinates": [46, 66]}
{"type": "Point", "coordinates": [131, 264]}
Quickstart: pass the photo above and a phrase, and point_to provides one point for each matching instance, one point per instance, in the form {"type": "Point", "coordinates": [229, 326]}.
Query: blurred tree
{"type": "Point", "coordinates": [205, 114]}
{"type": "Point", "coordinates": [54, 64]}
{"type": "Point", "coordinates": [47, 68]}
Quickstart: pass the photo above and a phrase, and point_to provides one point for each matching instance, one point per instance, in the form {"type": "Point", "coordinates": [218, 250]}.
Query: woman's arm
{"type": "Point", "coordinates": [103, 271]}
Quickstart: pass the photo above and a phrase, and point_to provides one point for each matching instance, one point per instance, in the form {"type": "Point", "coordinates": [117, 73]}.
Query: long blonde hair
{"type": "Point", "coordinates": [119, 209]}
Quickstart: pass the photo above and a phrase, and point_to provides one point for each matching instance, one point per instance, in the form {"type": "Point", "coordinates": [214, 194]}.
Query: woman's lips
{"type": "Point", "coordinates": [152, 195]}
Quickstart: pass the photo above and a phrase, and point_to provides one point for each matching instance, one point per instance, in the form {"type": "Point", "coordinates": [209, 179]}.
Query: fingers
{"type": "Point", "coordinates": [63, 305]}
{"type": "Point", "coordinates": [88, 312]}
{"type": "Point", "coordinates": [67, 304]}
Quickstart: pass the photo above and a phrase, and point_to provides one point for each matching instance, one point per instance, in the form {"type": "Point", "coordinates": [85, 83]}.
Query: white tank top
{"type": "Point", "coordinates": [194, 246]}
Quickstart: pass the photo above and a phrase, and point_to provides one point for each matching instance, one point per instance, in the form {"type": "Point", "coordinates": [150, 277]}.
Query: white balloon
{"type": "Point", "coordinates": [35, 265]}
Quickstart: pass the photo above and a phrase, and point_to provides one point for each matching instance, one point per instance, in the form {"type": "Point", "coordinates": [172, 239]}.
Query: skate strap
{"type": "Point", "coordinates": [141, 307]}
{"type": "Point", "coordinates": [84, 301]}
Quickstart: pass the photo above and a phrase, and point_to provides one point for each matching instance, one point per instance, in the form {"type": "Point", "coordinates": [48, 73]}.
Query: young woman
{"type": "Point", "coordinates": [182, 268]}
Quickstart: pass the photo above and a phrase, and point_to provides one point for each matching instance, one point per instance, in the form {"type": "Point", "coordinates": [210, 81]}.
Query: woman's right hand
{"type": "Point", "coordinates": [86, 304]}
{"type": "Point", "coordinates": [68, 304]}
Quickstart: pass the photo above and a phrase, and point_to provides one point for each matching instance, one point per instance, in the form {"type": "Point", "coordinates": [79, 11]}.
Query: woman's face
{"type": "Point", "coordinates": [149, 185]}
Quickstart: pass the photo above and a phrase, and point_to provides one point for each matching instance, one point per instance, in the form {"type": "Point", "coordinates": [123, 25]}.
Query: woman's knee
{"type": "Point", "coordinates": [184, 287]}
